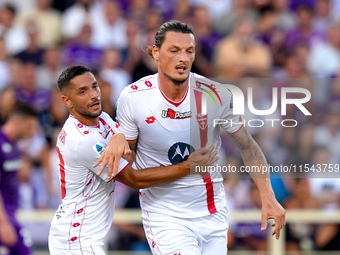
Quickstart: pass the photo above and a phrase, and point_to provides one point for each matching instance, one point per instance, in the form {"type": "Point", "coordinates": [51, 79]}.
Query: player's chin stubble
{"type": "Point", "coordinates": [175, 81]}
{"type": "Point", "coordinates": [90, 115]}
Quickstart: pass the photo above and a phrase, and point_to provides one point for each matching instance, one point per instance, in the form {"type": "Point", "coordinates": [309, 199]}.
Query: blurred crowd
{"type": "Point", "coordinates": [278, 43]}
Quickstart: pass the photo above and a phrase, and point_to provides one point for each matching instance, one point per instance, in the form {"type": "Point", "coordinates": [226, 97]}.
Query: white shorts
{"type": "Point", "coordinates": [91, 250]}
{"type": "Point", "coordinates": [168, 235]}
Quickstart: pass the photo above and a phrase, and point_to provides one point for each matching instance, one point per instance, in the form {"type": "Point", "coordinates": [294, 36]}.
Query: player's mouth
{"type": "Point", "coordinates": [181, 69]}
{"type": "Point", "coordinates": [95, 105]}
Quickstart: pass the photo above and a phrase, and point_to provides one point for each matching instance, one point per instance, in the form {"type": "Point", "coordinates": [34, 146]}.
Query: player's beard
{"type": "Point", "coordinates": [88, 114]}
{"type": "Point", "coordinates": [175, 81]}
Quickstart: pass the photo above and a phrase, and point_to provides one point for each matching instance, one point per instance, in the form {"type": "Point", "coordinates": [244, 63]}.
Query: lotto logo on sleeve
{"type": "Point", "coordinates": [98, 148]}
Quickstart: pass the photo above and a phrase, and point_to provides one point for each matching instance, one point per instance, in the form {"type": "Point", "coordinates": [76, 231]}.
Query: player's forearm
{"type": "Point", "coordinates": [254, 158]}
{"type": "Point", "coordinates": [140, 179]}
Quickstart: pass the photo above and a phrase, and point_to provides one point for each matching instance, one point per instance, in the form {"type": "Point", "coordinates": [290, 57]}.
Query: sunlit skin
{"type": "Point", "coordinates": [175, 58]}
{"type": "Point", "coordinates": [83, 99]}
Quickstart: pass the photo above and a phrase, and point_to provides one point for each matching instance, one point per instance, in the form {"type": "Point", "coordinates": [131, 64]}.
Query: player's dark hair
{"type": "Point", "coordinates": [23, 110]}
{"type": "Point", "coordinates": [174, 26]}
{"type": "Point", "coordinates": [68, 74]}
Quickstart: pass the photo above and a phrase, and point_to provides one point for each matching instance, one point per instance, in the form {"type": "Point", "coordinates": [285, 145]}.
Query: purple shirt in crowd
{"type": "Point", "coordinates": [10, 162]}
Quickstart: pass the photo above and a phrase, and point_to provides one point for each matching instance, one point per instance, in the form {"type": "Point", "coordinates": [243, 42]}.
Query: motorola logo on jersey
{"type": "Point", "coordinates": [175, 115]}
{"type": "Point", "coordinates": [179, 152]}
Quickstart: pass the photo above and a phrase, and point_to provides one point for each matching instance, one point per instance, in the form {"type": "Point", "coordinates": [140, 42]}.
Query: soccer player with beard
{"type": "Point", "coordinates": [187, 216]}
{"type": "Point", "coordinates": [85, 215]}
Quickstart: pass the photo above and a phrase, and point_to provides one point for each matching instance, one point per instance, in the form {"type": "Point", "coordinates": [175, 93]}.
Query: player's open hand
{"type": "Point", "coordinates": [8, 235]}
{"type": "Point", "coordinates": [202, 158]}
{"type": "Point", "coordinates": [116, 148]}
{"type": "Point", "coordinates": [271, 209]}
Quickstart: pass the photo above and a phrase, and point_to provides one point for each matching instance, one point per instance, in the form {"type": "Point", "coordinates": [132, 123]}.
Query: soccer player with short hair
{"type": "Point", "coordinates": [85, 215]}
{"type": "Point", "coordinates": [21, 124]}
{"type": "Point", "coordinates": [162, 117]}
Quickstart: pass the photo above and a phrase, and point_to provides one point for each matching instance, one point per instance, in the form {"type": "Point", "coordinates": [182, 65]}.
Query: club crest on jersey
{"type": "Point", "coordinates": [202, 121]}
{"type": "Point", "coordinates": [99, 148]}
{"type": "Point", "coordinates": [179, 152]}
{"type": "Point", "coordinates": [175, 115]}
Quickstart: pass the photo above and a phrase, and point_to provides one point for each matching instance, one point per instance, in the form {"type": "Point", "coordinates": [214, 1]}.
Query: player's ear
{"type": "Point", "coordinates": [155, 52]}
{"type": "Point", "coordinates": [66, 101]}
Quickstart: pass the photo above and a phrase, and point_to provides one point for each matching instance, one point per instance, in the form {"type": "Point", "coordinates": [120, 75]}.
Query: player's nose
{"type": "Point", "coordinates": [184, 57]}
{"type": "Point", "coordinates": [95, 94]}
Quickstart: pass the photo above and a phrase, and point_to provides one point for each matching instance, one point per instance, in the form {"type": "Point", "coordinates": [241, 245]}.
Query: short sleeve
{"type": "Point", "coordinates": [125, 122]}
{"type": "Point", "coordinates": [233, 122]}
{"type": "Point", "coordinates": [89, 151]}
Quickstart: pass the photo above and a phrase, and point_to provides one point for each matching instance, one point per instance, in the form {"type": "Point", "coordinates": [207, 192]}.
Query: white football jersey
{"type": "Point", "coordinates": [167, 132]}
{"type": "Point", "coordinates": [86, 212]}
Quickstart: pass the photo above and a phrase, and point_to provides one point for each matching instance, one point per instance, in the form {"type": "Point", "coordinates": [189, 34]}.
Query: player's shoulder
{"type": "Point", "coordinates": [211, 87]}
{"type": "Point", "coordinates": [146, 83]}
{"type": "Point", "coordinates": [73, 133]}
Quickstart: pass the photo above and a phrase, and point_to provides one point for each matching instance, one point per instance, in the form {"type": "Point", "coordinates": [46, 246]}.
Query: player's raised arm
{"type": "Point", "coordinates": [253, 156]}
{"type": "Point", "coordinates": [139, 179]}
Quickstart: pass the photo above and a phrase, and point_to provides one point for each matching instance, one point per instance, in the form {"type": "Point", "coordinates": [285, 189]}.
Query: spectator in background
{"type": "Point", "coordinates": [206, 39]}
{"type": "Point", "coordinates": [134, 46]}
{"type": "Point", "coordinates": [286, 19]}
{"type": "Point", "coordinates": [216, 9]}
{"type": "Point", "coordinates": [28, 92]}
{"type": "Point", "coordinates": [51, 173]}
{"type": "Point", "coordinates": [138, 11]}
{"type": "Point", "coordinates": [327, 134]}
{"type": "Point", "coordinates": [145, 65]}
{"type": "Point", "coordinates": [106, 92]}
{"type": "Point", "coordinates": [301, 153]}
{"type": "Point", "coordinates": [55, 115]}
{"type": "Point", "coordinates": [110, 27]}
{"type": "Point", "coordinates": [241, 54]}
{"type": "Point", "coordinates": [324, 58]}
{"type": "Point", "coordinates": [14, 35]}
{"type": "Point", "coordinates": [165, 8]}
{"type": "Point", "coordinates": [80, 51]}
{"type": "Point", "coordinates": [33, 53]}
{"type": "Point", "coordinates": [76, 16]}
{"type": "Point", "coordinates": [7, 101]}
{"type": "Point", "coordinates": [48, 73]}
{"type": "Point", "coordinates": [250, 233]}
{"type": "Point", "coordinates": [21, 124]}
{"type": "Point", "coordinates": [22, 6]}
{"type": "Point", "coordinates": [182, 11]}
{"type": "Point", "coordinates": [112, 72]}
{"type": "Point", "coordinates": [322, 19]}
{"type": "Point", "coordinates": [35, 153]}
{"type": "Point", "coordinates": [48, 22]}
{"type": "Point", "coordinates": [327, 191]}
{"type": "Point", "coordinates": [228, 21]}
{"type": "Point", "coordinates": [300, 236]}
{"type": "Point", "coordinates": [4, 66]}
{"type": "Point", "coordinates": [304, 33]}
{"type": "Point", "coordinates": [267, 24]}
{"type": "Point", "coordinates": [153, 20]}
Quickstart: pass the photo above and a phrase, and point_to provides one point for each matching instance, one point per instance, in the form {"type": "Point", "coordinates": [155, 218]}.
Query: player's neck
{"type": "Point", "coordinates": [172, 91]}
{"type": "Point", "coordinates": [87, 121]}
